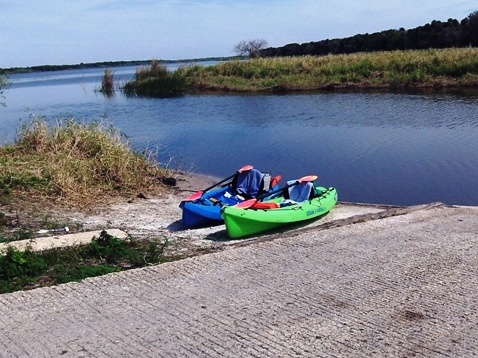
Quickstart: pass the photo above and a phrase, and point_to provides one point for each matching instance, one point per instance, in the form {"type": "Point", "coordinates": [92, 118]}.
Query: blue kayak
{"type": "Point", "coordinates": [204, 207]}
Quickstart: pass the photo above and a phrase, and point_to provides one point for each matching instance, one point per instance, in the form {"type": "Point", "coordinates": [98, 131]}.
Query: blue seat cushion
{"type": "Point", "coordinates": [300, 192]}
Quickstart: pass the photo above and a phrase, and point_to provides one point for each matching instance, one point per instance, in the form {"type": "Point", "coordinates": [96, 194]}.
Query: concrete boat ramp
{"type": "Point", "coordinates": [380, 282]}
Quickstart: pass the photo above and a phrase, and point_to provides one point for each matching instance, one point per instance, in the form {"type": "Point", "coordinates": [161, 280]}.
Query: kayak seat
{"type": "Point", "coordinates": [251, 183]}
{"type": "Point", "coordinates": [299, 192]}
{"type": "Point", "coordinates": [265, 205]}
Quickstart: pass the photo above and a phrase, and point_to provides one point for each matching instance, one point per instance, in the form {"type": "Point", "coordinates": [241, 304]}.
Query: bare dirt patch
{"type": "Point", "coordinates": [158, 217]}
{"type": "Point", "coordinates": [152, 218]}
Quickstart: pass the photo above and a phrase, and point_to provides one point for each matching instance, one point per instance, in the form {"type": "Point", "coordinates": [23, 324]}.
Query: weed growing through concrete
{"type": "Point", "coordinates": [22, 270]}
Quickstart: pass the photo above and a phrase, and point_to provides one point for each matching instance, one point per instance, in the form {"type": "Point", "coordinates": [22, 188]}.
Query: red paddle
{"type": "Point", "coordinates": [200, 193]}
{"type": "Point", "coordinates": [248, 203]}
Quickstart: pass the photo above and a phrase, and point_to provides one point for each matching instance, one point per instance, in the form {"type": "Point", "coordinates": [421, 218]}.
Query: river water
{"type": "Point", "coordinates": [374, 147]}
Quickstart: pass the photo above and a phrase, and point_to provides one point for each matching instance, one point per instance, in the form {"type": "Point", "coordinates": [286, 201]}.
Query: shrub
{"type": "Point", "coordinates": [77, 162]}
{"type": "Point", "coordinates": [155, 81]}
{"type": "Point", "coordinates": [17, 268]}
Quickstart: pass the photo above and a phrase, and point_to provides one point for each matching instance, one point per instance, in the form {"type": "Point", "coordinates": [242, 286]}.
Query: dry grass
{"type": "Point", "coordinates": [75, 163]}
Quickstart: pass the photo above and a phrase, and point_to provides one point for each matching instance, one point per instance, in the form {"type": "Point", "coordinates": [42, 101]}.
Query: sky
{"type": "Point", "coordinates": [64, 32]}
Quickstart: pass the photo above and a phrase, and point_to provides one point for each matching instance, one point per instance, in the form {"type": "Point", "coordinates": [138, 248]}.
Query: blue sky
{"type": "Point", "coordinates": [48, 32]}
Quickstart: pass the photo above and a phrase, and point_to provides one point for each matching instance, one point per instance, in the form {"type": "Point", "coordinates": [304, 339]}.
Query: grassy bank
{"type": "Point", "coordinates": [429, 68]}
{"type": "Point", "coordinates": [456, 67]}
{"type": "Point", "coordinates": [68, 166]}
{"type": "Point", "coordinates": [74, 163]}
{"type": "Point", "coordinates": [71, 165]}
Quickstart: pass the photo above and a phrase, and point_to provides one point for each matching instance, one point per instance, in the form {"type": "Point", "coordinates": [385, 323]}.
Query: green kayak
{"type": "Point", "coordinates": [281, 211]}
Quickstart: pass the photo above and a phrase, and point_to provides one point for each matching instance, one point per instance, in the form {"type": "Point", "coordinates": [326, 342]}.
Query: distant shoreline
{"type": "Point", "coordinates": [104, 64]}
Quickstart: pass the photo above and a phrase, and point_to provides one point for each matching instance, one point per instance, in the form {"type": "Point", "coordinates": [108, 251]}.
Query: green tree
{"type": "Point", "coordinates": [471, 29]}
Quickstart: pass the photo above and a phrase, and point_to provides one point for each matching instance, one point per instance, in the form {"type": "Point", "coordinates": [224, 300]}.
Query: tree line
{"type": "Point", "coordinates": [437, 34]}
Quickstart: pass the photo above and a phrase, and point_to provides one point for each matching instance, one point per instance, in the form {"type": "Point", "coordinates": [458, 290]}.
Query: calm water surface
{"type": "Point", "coordinates": [385, 148]}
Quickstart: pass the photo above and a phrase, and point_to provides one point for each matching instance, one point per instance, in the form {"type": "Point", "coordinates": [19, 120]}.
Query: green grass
{"type": "Point", "coordinates": [21, 270]}
{"type": "Point", "coordinates": [394, 69]}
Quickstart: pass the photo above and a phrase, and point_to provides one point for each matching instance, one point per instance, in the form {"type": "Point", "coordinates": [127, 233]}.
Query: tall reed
{"type": "Point", "coordinates": [107, 83]}
{"type": "Point", "coordinates": [155, 81]}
